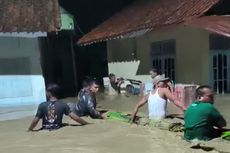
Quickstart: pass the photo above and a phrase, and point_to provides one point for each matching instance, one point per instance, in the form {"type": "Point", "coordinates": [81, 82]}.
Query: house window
{"type": "Point", "coordinates": [163, 57]}
{"type": "Point", "coordinates": [220, 60]}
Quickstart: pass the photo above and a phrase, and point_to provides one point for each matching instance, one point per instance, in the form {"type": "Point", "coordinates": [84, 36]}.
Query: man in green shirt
{"type": "Point", "coordinates": [202, 119]}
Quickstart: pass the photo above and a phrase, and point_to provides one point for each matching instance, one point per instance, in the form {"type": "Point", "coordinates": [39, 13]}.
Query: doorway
{"type": "Point", "coordinates": [220, 63]}
{"type": "Point", "coordinates": [220, 71]}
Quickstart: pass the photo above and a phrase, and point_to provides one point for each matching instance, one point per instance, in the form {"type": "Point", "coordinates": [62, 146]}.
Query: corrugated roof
{"type": "Point", "coordinates": [29, 15]}
{"type": "Point", "coordinates": [147, 14]}
{"type": "Point", "coordinates": [215, 24]}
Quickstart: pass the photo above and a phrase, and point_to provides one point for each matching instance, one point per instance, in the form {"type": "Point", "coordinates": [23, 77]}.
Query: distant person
{"type": "Point", "coordinates": [116, 82]}
{"type": "Point", "coordinates": [157, 100]}
{"type": "Point", "coordinates": [148, 86]}
{"type": "Point", "coordinates": [202, 119]}
{"type": "Point", "coordinates": [86, 105]}
{"type": "Point", "coordinates": [132, 89]}
{"type": "Point", "coordinates": [85, 86]}
{"type": "Point", "coordinates": [52, 111]}
{"type": "Point", "coordinates": [128, 85]}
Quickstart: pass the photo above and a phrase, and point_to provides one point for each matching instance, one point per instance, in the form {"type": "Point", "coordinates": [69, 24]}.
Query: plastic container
{"type": "Point", "coordinates": [185, 93]}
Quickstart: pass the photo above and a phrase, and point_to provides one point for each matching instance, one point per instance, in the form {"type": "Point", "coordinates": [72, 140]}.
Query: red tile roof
{"type": "Point", "coordinates": [147, 15]}
{"type": "Point", "coordinates": [29, 15]}
{"type": "Point", "coordinates": [215, 24]}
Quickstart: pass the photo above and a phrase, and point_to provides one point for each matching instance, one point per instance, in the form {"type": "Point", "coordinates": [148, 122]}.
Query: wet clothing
{"type": "Point", "coordinates": [82, 92]}
{"type": "Point", "coordinates": [132, 89]}
{"type": "Point", "coordinates": [114, 85]}
{"type": "Point", "coordinates": [86, 105]}
{"type": "Point", "coordinates": [52, 113]}
{"type": "Point", "coordinates": [156, 106]}
{"type": "Point", "coordinates": [200, 117]}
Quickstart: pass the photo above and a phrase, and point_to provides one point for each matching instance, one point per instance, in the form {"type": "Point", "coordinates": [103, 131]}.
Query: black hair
{"type": "Point", "coordinates": [111, 75]}
{"type": "Point", "coordinates": [93, 81]}
{"type": "Point", "coordinates": [54, 89]}
{"type": "Point", "coordinates": [200, 90]}
{"type": "Point", "coordinates": [155, 70]}
{"type": "Point", "coordinates": [85, 82]}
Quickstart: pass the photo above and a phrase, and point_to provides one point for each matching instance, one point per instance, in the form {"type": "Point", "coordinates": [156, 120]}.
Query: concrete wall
{"type": "Point", "coordinates": [15, 49]}
{"type": "Point", "coordinates": [192, 52]}
{"type": "Point", "coordinates": [121, 50]}
{"type": "Point", "coordinates": [21, 80]}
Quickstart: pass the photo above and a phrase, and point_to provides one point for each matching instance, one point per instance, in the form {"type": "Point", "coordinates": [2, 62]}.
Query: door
{"type": "Point", "coordinates": [163, 57]}
{"type": "Point", "coordinates": [220, 71]}
{"type": "Point", "coordinates": [165, 64]}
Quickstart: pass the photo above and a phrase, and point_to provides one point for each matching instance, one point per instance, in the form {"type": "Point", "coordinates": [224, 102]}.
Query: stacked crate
{"type": "Point", "coordinates": [185, 93]}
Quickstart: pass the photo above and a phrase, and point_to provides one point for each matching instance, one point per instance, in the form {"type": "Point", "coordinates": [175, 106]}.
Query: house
{"type": "Point", "coordinates": [187, 40]}
{"type": "Point", "coordinates": [22, 23]}
{"type": "Point", "coordinates": [58, 54]}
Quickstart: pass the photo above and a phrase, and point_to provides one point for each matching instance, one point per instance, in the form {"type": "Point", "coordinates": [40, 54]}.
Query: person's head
{"type": "Point", "coordinates": [160, 81]}
{"type": "Point", "coordinates": [153, 72]}
{"type": "Point", "coordinates": [112, 77]}
{"type": "Point", "coordinates": [85, 82]}
{"type": "Point", "coordinates": [94, 86]}
{"type": "Point", "coordinates": [204, 93]}
{"type": "Point", "coordinates": [53, 90]}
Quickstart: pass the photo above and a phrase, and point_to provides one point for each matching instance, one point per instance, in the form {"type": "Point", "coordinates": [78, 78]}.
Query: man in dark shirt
{"type": "Point", "coordinates": [51, 112]}
{"type": "Point", "coordinates": [87, 101]}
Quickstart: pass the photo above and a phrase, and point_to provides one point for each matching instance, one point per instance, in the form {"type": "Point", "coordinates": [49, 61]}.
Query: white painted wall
{"type": "Point", "coordinates": [21, 80]}
{"type": "Point", "coordinates": [130, 68]}
{"type": "Point", "coordinates": [21, 90]}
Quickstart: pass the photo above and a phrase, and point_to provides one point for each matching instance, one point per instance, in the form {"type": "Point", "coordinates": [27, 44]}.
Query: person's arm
{"type": "Point", "coordinates": [33, 123]}
{"type": "Point", "coordinates": [143, 101]}
{"type": "Point", "coordinates": [172, 98]}
{"type": "Point", "coordinates": [77, 118]}
{"type": "Point", "coordinates": [114, 86]}
{"type": "Point", "coordinates": [37, 117]}
{"type": "Point", "coordinates": [142, 89]}
{"type": "Point", "coordinates": [170, 86]}
{"type": "Point", "coordinates": [68, 111]}
{"type": "Point", "coordinates": [91, 106]}
{"type": "Point", "coordinates": [119, 83]}
{"type": "Point", "coordinates": [219, 120]}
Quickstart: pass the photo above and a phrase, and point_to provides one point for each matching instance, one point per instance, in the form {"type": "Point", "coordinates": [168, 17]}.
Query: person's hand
{"type": "Point", "coordinates": [183, 109]}
{"type": "Point", "coordinates": [133, 125]}
{"type": "Point", "coordinates": [28, 130]}
{"type": "Point", "coordinates": [104, 115]}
